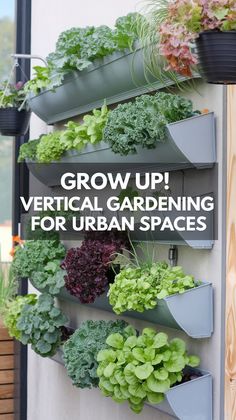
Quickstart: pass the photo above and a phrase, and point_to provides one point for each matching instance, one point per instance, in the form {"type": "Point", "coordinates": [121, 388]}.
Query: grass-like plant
{"type": "Point", "coordinates": [8, 287]}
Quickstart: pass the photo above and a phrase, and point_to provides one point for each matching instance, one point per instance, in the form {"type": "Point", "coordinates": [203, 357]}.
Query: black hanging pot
{"type": "Point", "coordinates": [14, 122]}
{"type": "Point", "coordinates": [216, 52]}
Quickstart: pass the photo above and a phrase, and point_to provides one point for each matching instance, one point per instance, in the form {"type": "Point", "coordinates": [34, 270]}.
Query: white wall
{"type": "Point", "coordinates": [50, 393]}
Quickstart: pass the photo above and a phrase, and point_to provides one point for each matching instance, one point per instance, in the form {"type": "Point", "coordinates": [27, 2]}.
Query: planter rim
{"type": "Point", "coordinates": [191, 118]}
{"type": "Point", "coordinates": [204, 373]}
{"type": "Point", "coordinates": [216, 31]}
{"type": "Point", "coordinates": [13, 108]}
{"type": "Point", "coordinates": [200, 286]}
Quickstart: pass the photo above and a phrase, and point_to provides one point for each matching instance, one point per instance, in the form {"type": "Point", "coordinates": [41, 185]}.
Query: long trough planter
{"type": "Point", "coordinates": [191, 311]}
{"type": "Point", "coordinates": [115, 78]}
{"type": "Point", "coordinates": [190, 400]}
{"type": "Point", "coordinates": [189, 143]}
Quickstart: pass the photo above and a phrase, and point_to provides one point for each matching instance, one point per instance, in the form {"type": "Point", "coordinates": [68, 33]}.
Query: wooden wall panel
{"type": "Point", "coordinates": [6, 375]}
{"type": "Point", "coordinates": [230, 338]}
{"type": "Point", "coordinates": [6, 362]}
{"type": "Point", "coordinates": [7, 416]}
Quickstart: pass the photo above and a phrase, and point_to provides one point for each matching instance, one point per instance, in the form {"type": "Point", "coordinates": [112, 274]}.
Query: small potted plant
{"type": "Point", "coordinates": [210, 26]}
{"type": "Point", "coordinates": [14, 114]}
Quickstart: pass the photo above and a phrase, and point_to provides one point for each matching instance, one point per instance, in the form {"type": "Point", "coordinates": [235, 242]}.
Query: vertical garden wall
{"type": "Point", "coordinates": [50, 392]}
{"type": "Point", "coordinates": [177, 127]}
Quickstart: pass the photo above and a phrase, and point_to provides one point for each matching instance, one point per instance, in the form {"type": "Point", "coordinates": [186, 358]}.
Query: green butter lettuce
{"type": "Point", "coordinates": [138, 368]}
{"type": "Point", "coordinates": [140, 288]}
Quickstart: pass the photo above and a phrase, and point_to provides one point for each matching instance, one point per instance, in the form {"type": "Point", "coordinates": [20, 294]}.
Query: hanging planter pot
{"type": "Point", "coordinates": [14, 122]}
{"type": "Point", "coordinates": [216, 52]}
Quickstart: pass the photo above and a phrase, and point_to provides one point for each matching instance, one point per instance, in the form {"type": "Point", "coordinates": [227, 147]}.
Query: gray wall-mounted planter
{"type": "Point", "coordinates": [180, 311]}
{"type": "Point", "coordinates": [115, 78]}
{"type": "Point", "coordinates": [189, 143]}
{"type": "Point", "coordinates": [191, 400]}
{"type": "Point", "coordinates": [196, 240]}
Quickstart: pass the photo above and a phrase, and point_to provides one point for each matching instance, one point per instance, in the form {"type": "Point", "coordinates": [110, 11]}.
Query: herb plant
{"type": "Point", "coordinates": [12, 312]}
{"type": "Point", "coordinates": [50, 147]}
{"type": "Point", "coordinates": [80, 351]}
{"type": "Point", "coordinates": [140, 288]}
{"type": "Point", "coordinates": [40, 325]}
{"type": "Point", "coordinates": [87, 267]}
{"type": "Point", "coordinates": [43, 78]}
{"type": "Point", "coordinates": [143, 121]}
{"type": "Point", "coordinates": [141, 368]}
{"type": "Point", "coordinates": [8, 288]}
{"type": "Point", "coordinates": [12, 95]}
{"type": "Point", "coordinates": [77, 136]}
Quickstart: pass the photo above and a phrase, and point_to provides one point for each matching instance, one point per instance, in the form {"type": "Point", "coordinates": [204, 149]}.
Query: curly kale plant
{"type": "Point", "coordinates": [143, 122]}
{"type": "Point", "coordinates": [40, 260]}
{"type": "Point", "coordinates": [87, 267]}
{"type": "Point", "coordinates": [40, 325]}
{"type": "Point", "coordinates": [34, 255]}
{"type": "Point", "coordinates": [80, 351]}
{"type": "Point", "coordinates": [77, 48]}
{"type": "Point", "coordinates": [139, 288]}
{"type": "Point", "coordinates": [141, 368]}
{"type": "Point", "coordinates": [13, 311]}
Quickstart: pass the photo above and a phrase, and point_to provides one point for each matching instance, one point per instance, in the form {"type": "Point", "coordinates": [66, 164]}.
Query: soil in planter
{"type": "Point", "coordinates": [189, 376]}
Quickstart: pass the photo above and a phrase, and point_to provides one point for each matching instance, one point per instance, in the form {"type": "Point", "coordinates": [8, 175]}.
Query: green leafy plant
{"type": "Point", "coordinates": [40, 325]}
{"type": "Point", "coordinates": [129, 192]}
{"type": "Point", "coordinates": [141, 368]}
{"type": "Point", "coordinates": [80, 351]}
{"type": "Point", "coordinates": [34, 255]}
{"type": "Point", "coordinates": [143, 122]}
{"type": "Point", "coordinates": [28, 150]}
{"type": "Point", "coordinates": [140, 288]}
{"type": "Point", "coordinates": [12, 95]}
{"type": "Point", "coordinates": [49, 148]}
{"type": "Point", "coordinates": [40, 260]}
{"type": "Point", "coordinates": [12, 312]}
{"type": "Point", "coordinates": [77, 136]}
{"type": "Point", "coordinates": [50, 279]}
{"type": "Point", "coordinates": [77, 48]}
{"type": "Point", "coordinates": [43, 79]}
